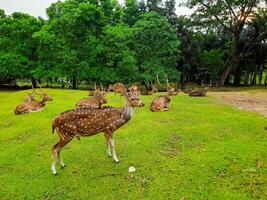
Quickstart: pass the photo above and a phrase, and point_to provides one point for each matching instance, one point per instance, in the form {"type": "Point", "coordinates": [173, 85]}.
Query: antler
{"type": "Point", "coordinates": [158, 80]}
{"type": "Point", "coordinates": [102, 88]}
{"type": "Point", "coordinates": [167, 81]}
{"type": "Point", "coordinates": [40, 87]}
{"type": "Point", "coordinates": [204, 86]}
{"type": "Point", "coordinates": [35, 91]}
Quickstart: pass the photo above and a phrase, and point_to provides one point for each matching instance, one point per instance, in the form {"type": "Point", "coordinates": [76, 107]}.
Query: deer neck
{"type": "Point", "coordinates": [42, 102]}
{"type": "Point", "coordinates": [127, 111]}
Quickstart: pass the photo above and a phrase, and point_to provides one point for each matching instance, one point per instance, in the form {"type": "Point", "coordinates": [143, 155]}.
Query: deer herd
{"type": "Point", "coordinates": [90, 117]}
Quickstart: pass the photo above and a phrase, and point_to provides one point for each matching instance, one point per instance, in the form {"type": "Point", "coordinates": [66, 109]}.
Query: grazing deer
{"type": "Point", "coordinates": [161, 103]}
{"type": "Point", "coordinates": [117, 88]}
{"type": "Point", "coordinates": [200, 93]}
{"type": "Point", "coordinates": [33, 105]}
{"type": "Point", "coordinates": [87, 121]}
{"type": "Point", "coordinates": [96, 101]}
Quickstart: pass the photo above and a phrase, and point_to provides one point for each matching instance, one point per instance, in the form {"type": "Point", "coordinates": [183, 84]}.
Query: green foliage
{"type": "Point", "coordinates": [156, 46]}
{"type": "Point", "coordinates": [213, 60]}
{"type": "Point", "coordinates": [17, 48]}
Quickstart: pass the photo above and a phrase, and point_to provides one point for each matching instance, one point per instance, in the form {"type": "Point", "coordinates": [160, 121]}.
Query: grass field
{"type": "Point", "coordinates": [200, 149]}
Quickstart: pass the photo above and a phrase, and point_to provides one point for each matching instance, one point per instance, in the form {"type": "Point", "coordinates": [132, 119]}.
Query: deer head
{"type": "Point", "coordinates": [132, 99]}
{"type": "Point", "coordinates": [206, 86]}
{"type": "Point", "coordinates": [42, 94]}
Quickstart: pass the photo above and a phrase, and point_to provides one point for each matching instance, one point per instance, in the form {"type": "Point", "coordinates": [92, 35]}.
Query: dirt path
{"type": "Point", "coordinates": [255, 101]}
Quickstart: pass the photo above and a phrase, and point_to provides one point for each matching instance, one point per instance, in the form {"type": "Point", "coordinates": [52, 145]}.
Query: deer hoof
{"type": "Point", "coordinates": [117, 161]}
{"type": "Point", "coordinates": [55, 174]}
{"type": "Point", "coordinates": [63, 166]}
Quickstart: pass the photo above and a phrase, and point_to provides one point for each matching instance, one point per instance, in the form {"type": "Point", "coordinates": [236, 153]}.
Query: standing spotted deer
{"type": "Point", "coordinates": [87, 121]}
{"type": "Point", "coordinates": [161, 103]}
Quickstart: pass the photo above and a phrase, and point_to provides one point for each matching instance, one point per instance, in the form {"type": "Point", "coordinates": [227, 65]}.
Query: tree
{"type": "Point", "coordinates": [72, 23]}
{"type": "Point", "coordinates": [213, 61]}
{"type": "Point", "coordinates": [114, 60]}
{"type": "Point", "coordinates": [169, 11]}
{"type": "Point", "coordinates": [17, 47]}
{"type": "Point", "coordinates": [156, 46]}
{"type": "Point", "coordinates": [131, 10]}
{"type": "Point", "coordinates": [231, 16]}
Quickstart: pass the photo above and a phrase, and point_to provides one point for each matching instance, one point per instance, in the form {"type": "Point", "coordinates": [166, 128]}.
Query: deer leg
{"type": "Point", "coordinates": [112, 145]}
{"type": "Point", "coordinates": [53, 166]}
{"type": "Point", "coordinates": [56, 152]}
{"type": "Point", "coordinates": [108, 145]}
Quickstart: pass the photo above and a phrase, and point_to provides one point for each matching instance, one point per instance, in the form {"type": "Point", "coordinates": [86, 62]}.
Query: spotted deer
{"type": "Point", "coordinates": [88, 121]}
{"type": "Point", "coordinates": [30, 97]}
{"type": "Point", "coordinates": [117, 88]}
{"type": "Point", "coordinates": [97, 100]}
{"type": "Point", "coordinates": [133, 88]}
{"type": "Point", "coordinates": [162, 103]}
{"type": "Point", "coordinates": [201, 93]}
{"type": "Point", "coordinates": [93, 92]}
{"type": "Point", "coordinates": [32, 105]}
{"type": "Point", "coordinates": [151, 89]}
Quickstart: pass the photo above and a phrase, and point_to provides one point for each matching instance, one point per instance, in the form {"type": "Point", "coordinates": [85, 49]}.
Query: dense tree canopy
{"type": "Point", "coordinates": [101, 40]}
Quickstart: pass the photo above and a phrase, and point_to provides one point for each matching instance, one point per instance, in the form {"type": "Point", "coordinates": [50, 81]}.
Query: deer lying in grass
{"type": "Point", "coordinates": [30, 97]}
{"type": "Point", "coordinates": [161, 103]}
{"type": "Point", "coordinates": [32, 105]}
{"type": "Point", "coordinates": [151, 89]}
{"type": "Point", "coordinates": [87, 121]}
{"type": "Point", "coordinates": [200, 93]}
{"type": "Point", "coordinates": [93, 92]}
{"type": "Point", "coordinates": [117, 88]}
{"type": "Point", "coordinates": [133, 88]}
{"type": "Point", "coordinates": [96, 101]}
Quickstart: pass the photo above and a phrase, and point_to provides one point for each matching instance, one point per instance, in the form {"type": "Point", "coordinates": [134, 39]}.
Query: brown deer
{"type": "Point", "coordinates": [87, 121]}
{"type": "Point", "coordinates": [93, 92]}
{"type": "Point", "coordinates": [30, 97]}
{"type": "Point", "coordinates": [33, 105]}
{"type": "Point", "coordinates": [200, 93]}
{"type": "Point", "coordinates": [117, 88]}
{"type": "Point", "coordinates": [133, 88]}
{"type": "Point", "coordinates": [151, 89]}
{"type": "Point", "coordinates": [161, 103]}
{"type": "Point", "coordinates": [96, 101]}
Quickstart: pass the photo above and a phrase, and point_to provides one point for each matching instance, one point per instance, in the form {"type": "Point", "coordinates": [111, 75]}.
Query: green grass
{"type": "Point", "coordinates": [200, 149]}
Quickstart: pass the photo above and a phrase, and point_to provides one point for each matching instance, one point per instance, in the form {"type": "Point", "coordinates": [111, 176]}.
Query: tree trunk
{"type": "Point", "coordinates": [34, 84]}
{"type": "Point", "coordinates": [74, 82]}
{"type": "Point", "coordinates": [237, 76]}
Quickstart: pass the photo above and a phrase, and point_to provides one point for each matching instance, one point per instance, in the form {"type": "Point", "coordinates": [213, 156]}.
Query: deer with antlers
{"type": "Point", "coordinates": [161, 103]}
{"type": "Point", "coordinates": [32, 105]}
{"type": "Point", "coordinates": [117, 88]}
{"type": "Point", "coordinates": [151, 89]}
{"type": "Point", "coordinates": [30, 97]}
{"type": "Point", "coordinates": [97, 100]}
{"type": "Point", "coordinates": [97, 89]}
{"type": "Point", "coordinates": [88, 121]}
{"type": "Point", "coordinates": [133, 88]}
{"type": "Point", "coordinates": [201, 93]}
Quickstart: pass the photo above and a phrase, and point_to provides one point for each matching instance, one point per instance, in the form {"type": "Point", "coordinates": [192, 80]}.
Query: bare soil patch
{"type": "Point", "coordinates": [255, 101]}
